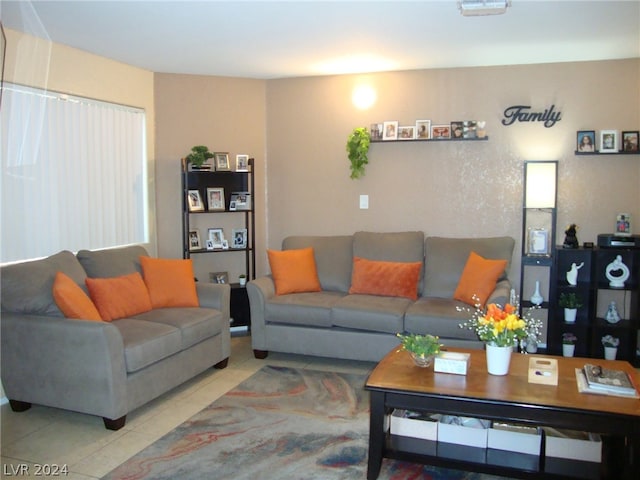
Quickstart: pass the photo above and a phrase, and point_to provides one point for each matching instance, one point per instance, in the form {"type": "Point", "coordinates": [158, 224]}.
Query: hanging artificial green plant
{"type": "Point", "coordinates": [357, 149]}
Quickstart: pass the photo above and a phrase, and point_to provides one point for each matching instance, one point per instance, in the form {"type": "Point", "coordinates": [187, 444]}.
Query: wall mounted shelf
{"type": "Point", "coordinates": [433, 140]}
{"type": "Point", "coordinates": [606, 153]}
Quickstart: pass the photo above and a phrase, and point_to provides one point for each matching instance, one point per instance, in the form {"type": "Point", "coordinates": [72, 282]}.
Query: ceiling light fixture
{"type": "Point", "coordinates": [483, 7]}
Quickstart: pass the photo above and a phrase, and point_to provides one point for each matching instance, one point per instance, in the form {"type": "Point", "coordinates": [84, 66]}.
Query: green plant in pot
{"type": "Point", "coordinates": [358, 149]}
{"type": "Point", "coordinates": [570, 301]}
{"type": "Point", "coordinates": [199, 155]}
{"type": "Point", "coordinates": [421, 347]}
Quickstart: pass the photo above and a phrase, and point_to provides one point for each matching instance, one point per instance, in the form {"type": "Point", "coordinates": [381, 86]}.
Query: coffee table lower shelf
{"type": "Point", "coordinates": [486, 460]}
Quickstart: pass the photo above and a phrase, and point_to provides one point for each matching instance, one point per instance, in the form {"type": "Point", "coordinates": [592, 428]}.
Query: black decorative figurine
{"type": "Point", "coordinates": [571, 239]}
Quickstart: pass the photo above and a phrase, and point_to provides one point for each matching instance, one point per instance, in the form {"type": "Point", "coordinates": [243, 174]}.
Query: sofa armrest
{"type": "Point", "coordinates": [501, 293]}
{"type": "Point", "coordinates": [64, 363]}
{"type": "Point", "coordinates": [259, 291]}
{"type": "Point", "coordinates": [215, 295]}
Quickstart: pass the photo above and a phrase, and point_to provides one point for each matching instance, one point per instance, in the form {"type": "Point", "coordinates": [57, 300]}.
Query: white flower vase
{"type": "Point", "coordinates": [498, 359]}
{"type": "Point", "coordinates": [610, 353]}
{"type": "Point", "coordinates": [536, 298]}
{"type": "Point", "coordinates": [568, 350]}
{"type": "Point", "coordinates": [570, 315]}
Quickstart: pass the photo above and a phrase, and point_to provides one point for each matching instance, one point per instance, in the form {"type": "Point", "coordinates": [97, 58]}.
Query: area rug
{"type": "Point", "coordinates": [281, 423]}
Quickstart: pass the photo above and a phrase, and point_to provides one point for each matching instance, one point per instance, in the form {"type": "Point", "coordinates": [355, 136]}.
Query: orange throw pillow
{"type": "Point", "coordinates": [478, 278]}
{"type": "Point", "coordinates": [71, 299]}
{"type": "Point", "coordinates": [119, 297]}
{"type": "Point", "coordinates": [391, 279]}
{"type": "Point", "coordinates": [294, 271]}
{"type": "Point", "coordinates": [170, 282]}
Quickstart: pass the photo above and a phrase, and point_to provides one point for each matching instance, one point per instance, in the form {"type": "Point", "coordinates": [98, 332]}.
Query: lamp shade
{"type": "Point", "coordinates": [540, 184]}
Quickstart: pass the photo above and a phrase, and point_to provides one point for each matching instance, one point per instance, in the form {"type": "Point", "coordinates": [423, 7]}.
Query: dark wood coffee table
{"type": "Point", "coordinates": [396, 383]}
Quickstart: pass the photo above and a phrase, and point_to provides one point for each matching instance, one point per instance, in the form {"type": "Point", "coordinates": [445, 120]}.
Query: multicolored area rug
{"type": "Point", "coordinates": [281, 423]}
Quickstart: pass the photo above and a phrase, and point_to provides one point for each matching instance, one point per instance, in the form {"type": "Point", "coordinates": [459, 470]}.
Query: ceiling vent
{"type": "Point", "coordinates": [483, 7]}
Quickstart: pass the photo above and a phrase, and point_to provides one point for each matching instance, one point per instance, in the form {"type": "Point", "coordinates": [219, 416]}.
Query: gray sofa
{"type": "Point", "coordinates": [102, 368]}
{"type": "Point", "coordinates": [334, 323]}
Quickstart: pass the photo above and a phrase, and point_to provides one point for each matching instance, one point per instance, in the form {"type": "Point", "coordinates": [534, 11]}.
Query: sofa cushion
{"type": "Point", "coordinates": [119, 297]}
{"type": "Point", "coordinates": [147, 342]}
{"type": "Point", "coordinates": [371, 313]}
{"type": "Point", "coordinates": [28, 287]}
{"type": "Point", "coordinates": [439, 316]}
{"type": "Point", "coordinates": [170, 282]}
{"type": "Point", "coordinates": [113, 262]}
{"type": "Point", "coordinates": [395, 279]}
{"type": "Point", "coordinates": [194, 324]}
{"type": "Point", "coordinates": [313, 309]}
{"type": "Point", "coordinates": [72, 301]}
{"type": "Point", "coordinates": [447, 257]}
{"type": "Point", "coordinates": [478, 279]}
{"type": "Point", "coordinates": [334, 258]}
{"type": "Point", "coordinates": [294, 271]}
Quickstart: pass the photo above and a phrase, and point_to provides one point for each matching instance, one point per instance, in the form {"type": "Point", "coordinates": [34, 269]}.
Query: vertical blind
{"type": "Point", "coordinates": [73, 174]}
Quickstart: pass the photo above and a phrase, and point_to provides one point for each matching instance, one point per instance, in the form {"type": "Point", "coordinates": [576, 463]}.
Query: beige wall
{"type": "Point", "coordinates": [452, 188]}
{"type": "Point", "coordinates": [38, 63]}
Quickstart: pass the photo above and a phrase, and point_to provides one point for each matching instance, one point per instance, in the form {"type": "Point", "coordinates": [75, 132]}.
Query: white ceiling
{"type": "Point", "coordinates": [269, 39]}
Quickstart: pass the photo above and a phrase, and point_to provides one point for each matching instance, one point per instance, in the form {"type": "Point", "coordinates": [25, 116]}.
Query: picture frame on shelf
{"type": "Point", "coordinates": [194, 200]}
{"type": "Point", "coordinates": [423, 129]}
{"type": "Point", "coordinates": [441, 132]}
{"type": "Point", "coordinates": [216, 235]}
{"type": "Point", "coordinates": [630, 141]}
{"type": "Point", "coordinates": [242, 163]}
{"type": "Point", "coordinates": [241, 201]}
{"type": "Point", "coordinates": [406, 132]}
{"type": "Point", "coordinates": [209, 244]}
{"type": "Point", "coordinates": [194, 240]}
{"type": "Point", "coordinates": [539, 242]}
{"type": "Point", "coordinates": [457, 129]}
{"type": "Point", "coordinates": [215, 199]}
{"type": "Point", "coordinates": [586, 141]}
{"type": "Point", "coordinates": [219, 277]}
{"type": "Point", "coordinates": [608, 141]}
{"type": "Point", "coordinates": [390, 130]}
{"type": "Point", "coordinates": [239, 238]}
{"type": "Point", "coordinates": [623, 224]}
{"type": "Point", "coordinates": [375, 131]}
{"type": "Point", "coordinates": [222, 162]}
{"type": "Point", "coordinates": [469, 129]}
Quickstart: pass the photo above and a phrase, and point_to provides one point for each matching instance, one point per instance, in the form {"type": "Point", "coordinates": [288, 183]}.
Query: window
{"type": "Point", "coordinates": [73, 174]}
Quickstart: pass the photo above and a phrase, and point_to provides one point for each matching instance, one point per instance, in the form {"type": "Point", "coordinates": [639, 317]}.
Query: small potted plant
{"type": "Point", "coordinates": [610, 344]}
{"type": "Point", "coordinates": [570, 301]}
{"type": "Point", "coordinates": [423, 348]}
{"type": "Point", "coordinates": [242, 279]}
{"type": "Point", "coordinates": [568, 344]}
{"type": "Point", "coordinates": [198, 156]}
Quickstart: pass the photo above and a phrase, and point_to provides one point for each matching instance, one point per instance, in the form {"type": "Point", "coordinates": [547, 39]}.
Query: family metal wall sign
{"type": "Point", "coordinates": [523, 113]}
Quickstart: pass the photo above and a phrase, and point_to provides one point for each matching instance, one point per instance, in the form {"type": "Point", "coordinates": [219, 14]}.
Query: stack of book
{"type": "Point", "coordinates": [596, 379]}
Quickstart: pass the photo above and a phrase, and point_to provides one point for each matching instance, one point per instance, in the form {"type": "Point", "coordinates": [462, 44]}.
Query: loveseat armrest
{"type": "Point", "coordinates": [76, 365]}
{"type": "Point", "coordinates": [215, 295]}
{"type": "Point", "coordinates": [501, 293]}
{"type": "Point", "coordinates": [259, 291]}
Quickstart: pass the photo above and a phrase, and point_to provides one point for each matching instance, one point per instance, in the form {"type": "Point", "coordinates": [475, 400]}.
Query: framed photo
{"type": "Point", "coordinates": [195, 201]}
{"type": "Point", "coordinates": [423, 129]}
{"type": "Point", "coordinates": [390, 131]}
{"type": "Point", "coordinates": [194, 240]}
{"type": "Point", "coordinates": [440, 132]}
{"type": "Point", "coordinates": [242, 163]}
{"type": "Point", "coordinates": [407, 132]}
{"type": "Point", "coordinates": [469, 129]}
{"type": "Point", "coordinates": [216, 235]}
{"type": "Point", "coordinates": [376, 131]}
{"type": "Point", "coordinates": [239, 238]}
{"type": "Point", "coordinates": [630, 141]}
{"type": "Point", "coordinates": [608, 141]}
{"type": "Point", "coordinates": [222, 162]}
{"type": "Point", "coordinates": [219, 277]}
{"type": "Point", "coordinates": [586, 141]}
{"type": "Point", "coordinates": [457, 129]}
{"type": "Point", "coordinates": [538, 241]}
{"type": "Point", "coordinates": [241, 201]}
{"type": "Point", "coordinates": [623, 224]}
{"type": "Point", "coordinates": [215, 198]}
{"type": "Point", "coordinates": [209, 244]}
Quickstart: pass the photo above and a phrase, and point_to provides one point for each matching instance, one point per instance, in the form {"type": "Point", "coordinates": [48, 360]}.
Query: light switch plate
{"type": "Point", "coordinates": [364, 201]}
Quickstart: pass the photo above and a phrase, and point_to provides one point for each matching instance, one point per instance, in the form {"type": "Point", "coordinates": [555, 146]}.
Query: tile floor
{"type": "Point", "coordinates": [47, 436]}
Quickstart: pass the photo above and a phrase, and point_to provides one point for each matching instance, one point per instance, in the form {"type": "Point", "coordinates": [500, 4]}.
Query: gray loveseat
{"type": "Point", "coordinates": [102, 368]}
{"type": "Point", "coordinates": [334, 323]}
